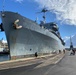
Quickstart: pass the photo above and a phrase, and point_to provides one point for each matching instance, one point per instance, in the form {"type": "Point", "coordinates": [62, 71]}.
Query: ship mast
{"type": "Point", "coordinates": [44, 10]}
{"type": "Point", "coordinates": [44, 14]}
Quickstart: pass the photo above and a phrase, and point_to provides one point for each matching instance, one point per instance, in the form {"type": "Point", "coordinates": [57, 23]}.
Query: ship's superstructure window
{"type": "Point", "coordinates": [49, 26]}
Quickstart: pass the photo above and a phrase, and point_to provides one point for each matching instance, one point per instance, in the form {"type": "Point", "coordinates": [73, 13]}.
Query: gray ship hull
{"type": "Point", "coordinates": [31, 38]}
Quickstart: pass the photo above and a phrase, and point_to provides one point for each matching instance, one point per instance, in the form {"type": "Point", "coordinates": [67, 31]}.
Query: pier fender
{"type": "Point", "coordinates": [16, 26]}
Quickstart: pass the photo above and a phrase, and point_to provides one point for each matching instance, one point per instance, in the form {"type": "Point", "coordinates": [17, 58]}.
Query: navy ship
{"type": "Point", "coordinates": [26, 37]}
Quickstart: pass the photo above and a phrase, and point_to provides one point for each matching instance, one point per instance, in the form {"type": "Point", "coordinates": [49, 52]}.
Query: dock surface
{"type": "Point", "coordinates": [33, 66]}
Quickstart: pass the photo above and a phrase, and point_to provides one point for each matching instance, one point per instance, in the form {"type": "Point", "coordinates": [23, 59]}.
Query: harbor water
{"type": "Point", "coordinates": [4, 58]}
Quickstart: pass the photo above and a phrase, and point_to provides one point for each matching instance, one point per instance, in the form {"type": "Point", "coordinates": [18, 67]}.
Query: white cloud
{"type": "Point", "coordinates": [66, 38]}
{"type": "Point", "coordinates": [4, 41]}
{"type": "Point", "coordinates": [19, 1]}
{"type": "Point", "coordinates": [65, 10]}
{"type": "Point", "coordinates": [72, 36]}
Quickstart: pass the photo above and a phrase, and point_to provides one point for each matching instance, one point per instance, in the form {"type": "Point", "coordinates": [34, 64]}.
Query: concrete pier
{"type": "Point", "coordinates": [44, 60]}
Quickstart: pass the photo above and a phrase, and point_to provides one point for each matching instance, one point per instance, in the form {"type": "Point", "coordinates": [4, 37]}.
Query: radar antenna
{"type": "Point", "coordinates": [44, 15]}
{"type": "Point", "coordinates": [44, 10]}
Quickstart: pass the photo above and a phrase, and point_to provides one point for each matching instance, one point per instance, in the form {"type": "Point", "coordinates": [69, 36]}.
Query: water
{"type": "Point", "coordinates": [4, 58]}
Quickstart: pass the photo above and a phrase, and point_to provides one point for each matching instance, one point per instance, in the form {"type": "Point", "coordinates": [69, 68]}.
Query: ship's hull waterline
{"type": "Point", "coordinates": [31, 38]}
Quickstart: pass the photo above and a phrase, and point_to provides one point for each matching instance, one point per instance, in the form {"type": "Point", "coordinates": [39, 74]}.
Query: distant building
{"type": "Point", "coordinates": [3, 45]}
